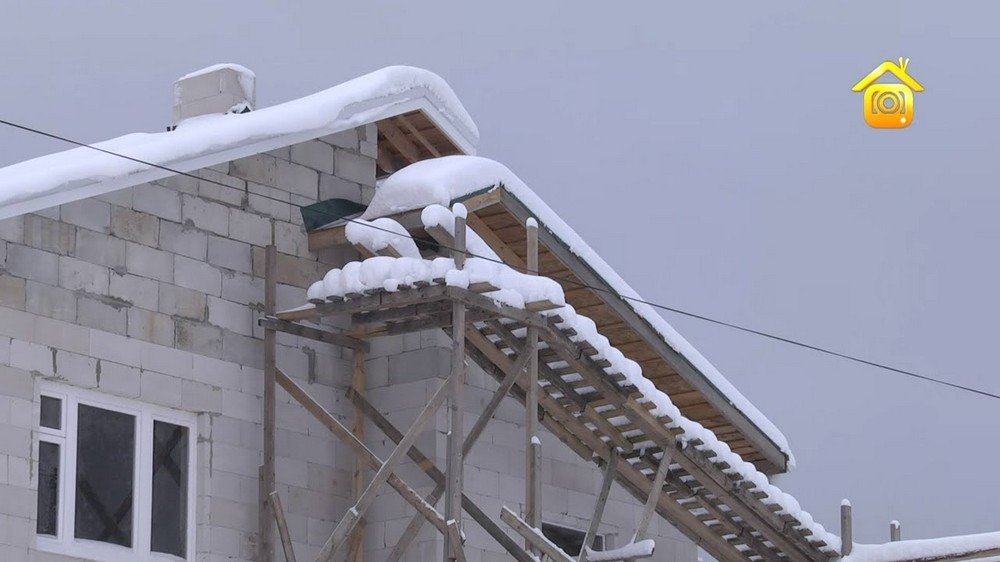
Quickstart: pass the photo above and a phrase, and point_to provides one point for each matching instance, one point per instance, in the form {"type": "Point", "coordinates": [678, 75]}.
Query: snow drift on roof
{"type": "Point", "coordinates": [442, 180]}
{"type": "Point", "coordinates": [342, 107]}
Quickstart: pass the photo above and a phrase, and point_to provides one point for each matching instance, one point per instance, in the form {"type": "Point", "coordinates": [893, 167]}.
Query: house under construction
{"type": "Point", "coordinates": [326, 330]}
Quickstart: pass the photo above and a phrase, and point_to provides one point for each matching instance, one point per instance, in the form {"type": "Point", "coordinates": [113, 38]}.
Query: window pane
{"type": "Point", "coordinates": [170, 476]}
{"type": "Point", "coordinates": [570, 540]}
{"type": "Point", "coordinates": [105, 459]}
{"type": "Point", "coordinates": [51, 412]}
{"type": "Point", "coordinates": [48, 488]}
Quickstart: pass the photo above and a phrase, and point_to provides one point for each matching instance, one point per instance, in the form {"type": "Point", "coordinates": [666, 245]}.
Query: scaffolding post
{"type": "Point", "coordinates": [894, 533]}
{"type": "Point", "coordinates": [456, 438]}
{"type": "Point", "coordinates": [533, 446]}
{"type": "Point", "coordinates": [356, 553]}
{"type": "Point", "coordinates": [266, 472]}
{"type": "Point", "coordinates": [846, 534]}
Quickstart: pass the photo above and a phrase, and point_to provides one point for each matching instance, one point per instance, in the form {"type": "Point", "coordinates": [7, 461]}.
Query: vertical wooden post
{"type": "Point", "coordinates": [266, 481]}
{"type": "Point", "coordinates": [279, 518]}
{"type": "Point", "coordinates": [846, 533]}
{"type": "Point", "coordinates": [533, 447]}
{"type": "Point", "coordinates": [602, 500]}
{"type": "Point", "coordinates": [356, 553]}
{"type": "Point", "coordinates": [453, 471]}
{"type": "Point", "coordinates": [894, 534]}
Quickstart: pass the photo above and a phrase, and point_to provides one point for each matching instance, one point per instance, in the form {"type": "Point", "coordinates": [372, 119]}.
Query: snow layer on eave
{"type": "Point", "coordinates": [442, 180]}
{"type": "Point", "coordinates": [341, 107]}
{"type": "Point", "coordinates": [945, 547]}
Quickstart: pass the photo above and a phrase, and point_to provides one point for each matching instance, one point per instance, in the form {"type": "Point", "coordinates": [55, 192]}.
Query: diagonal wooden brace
{"type": "Point", "coordinates": [347, 523]}
{"type": "Point", "coordinates": [533, 536]}
{"type": "Point", "coordinates": [373, 462]}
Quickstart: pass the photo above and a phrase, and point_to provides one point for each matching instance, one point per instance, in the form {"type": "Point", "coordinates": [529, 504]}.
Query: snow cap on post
{"type": "Point", "coordinates": [459, 210]}
{"type": "Point", "coordinates": [531, 222]}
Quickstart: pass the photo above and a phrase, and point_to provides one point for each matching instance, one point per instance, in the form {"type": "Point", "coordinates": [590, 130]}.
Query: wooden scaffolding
{"type": "Point", "coordinates": [566, 388]}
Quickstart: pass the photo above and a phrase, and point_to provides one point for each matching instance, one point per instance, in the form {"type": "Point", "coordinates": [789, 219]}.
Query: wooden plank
{"type": "Point", "coordinates": [455, 539]}
{"type": "Point", "coordinates": [325, 336]}
{"type": "Point", "coordinates": [279, 519]}
{"type": "Point", "coordinates": [347, 523]}
{"type": "Point", "coordinates": [368, 303]}
{"type": "Point", "coordinates": [408, 125]}
{"type": "Point", "coordinates": [602, 499]}
{"type": "Point", "coordinates": [654, 497]}
{"type": "Point", "coordinates": [266, 482]}
{"type": "Point", "coordinates": [533, 536]}
{"type": "Point", "coordinates": [398, 140]}
{"type": "Point", "coordinates": [533, 477]}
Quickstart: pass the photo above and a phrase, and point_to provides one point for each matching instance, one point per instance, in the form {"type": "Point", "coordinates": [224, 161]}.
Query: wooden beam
{"type": "Point", "coordinates": [602, 500]}
{"type": "Point", "coordinates": [455, 539]}
{"type": "Point", "coordinates": [846, 534]}
{"type": "Point", "coordinates": [398, 140]}
{"type": "Point", "coordinates": [279, 519]}
{"type": "Point", "coordinates": [508, 255]}
{"type": "Point", "coordinates": [347, 523]}
{"type": "Point", "coordinates": [533, 446]}
{"type": "Point", "coordinates": [348, 437]}
{"type": "Point", "coordinates": [266, 482]}
{"type": "Point", "coordinates": [654, 497]}
{"type": "Point", "coordinates": [325, 336]}
{"type": "Point", "coordinates": [356, 551]}
{"type": "Point", "coordinates": [385, 159]}
{"type": "Point", "coordinates": [456, 430]}
{"type": "Point", "coordinates": [418, 135]}
{"type": "Point", "coordinates": [533, 536]}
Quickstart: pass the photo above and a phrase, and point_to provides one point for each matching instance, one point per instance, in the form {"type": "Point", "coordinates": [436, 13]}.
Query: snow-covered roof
{"type": "Point", "coordinates": [946, 548]}
{"type": "Point", "coordinates": [204, 141]}
{"type": "Point", "coordinates": [443, 180]}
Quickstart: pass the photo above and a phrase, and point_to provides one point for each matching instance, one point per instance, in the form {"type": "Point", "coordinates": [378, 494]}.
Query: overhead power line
{"type": "Point", "coordinates": [774, 337]}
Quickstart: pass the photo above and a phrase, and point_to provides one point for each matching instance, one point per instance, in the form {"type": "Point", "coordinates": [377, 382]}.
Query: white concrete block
{"type": "Point", "coordinates": [33, 264]}
{"type": "Point", "coordinates": [200, 397]}
{"type": "Point", "coordinates": [134, 226]}
{"type": "Point", "coordinates": [296, 179]}
{"type": "Point", "coordinates": [230, 254]}
{"type": "Point", "coordinates": [179, 301]}
{"type": "Point", "coordinates": [314, 154]}
{"type": "Point", "coordinates": [95, 247]}
{"type": "Point", "coordinates": [160, 389]}
{"type": "Point", "coordinates": [241, 288]}
{"type": "Point", "coordinates": [148, 262]}
{"type": "Point", "coordinates": [150, 326]}
{"type": "Point", "coordinates": [184, 240]}
{"type": "Point", "coordinates": [205, 215]}
{"type": "Point", "coordinates": [78, 275]}
{"type": "Point", "coordinates": [230, 315]}
{"type": "Point", "coordinates": [140, 291]}
{"type": "Point", "coordinates": [119, 379]}
{"type": "Point", "coordinates": [165, 359]}
{"type": "Point", "coordinates": [197, 275]}
{"type": "Point", "coordinates": [102, 314]}
{"type": "Point", "coordinates": [48, 234]}
{"type": "Point", "coordinates": [157, 200]}
{"type": "Point", "coordinates": [198, 338]}
{"type": "Point", "coordinates": [354, 167]}
{"type": "Point", "coordinates": [249, 228]}
{"type": "Point", "coordinates": [32, 357]}
{"type": "Point", "coordinates": [78, 370]}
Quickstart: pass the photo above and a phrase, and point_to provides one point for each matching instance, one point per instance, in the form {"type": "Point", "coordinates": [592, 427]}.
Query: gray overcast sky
{"type": "Point", "coordinates": [714, 154]}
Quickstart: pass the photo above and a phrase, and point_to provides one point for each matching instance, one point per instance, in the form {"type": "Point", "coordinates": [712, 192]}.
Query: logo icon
{"type": "Point", "coordinates": [889, 106]}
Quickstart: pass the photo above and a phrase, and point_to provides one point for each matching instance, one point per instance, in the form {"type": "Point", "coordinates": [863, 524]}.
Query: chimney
{"type": "Point", "coordinates": [222, 88]}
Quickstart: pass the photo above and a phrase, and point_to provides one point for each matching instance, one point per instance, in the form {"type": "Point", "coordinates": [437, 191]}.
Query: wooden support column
{"type": "Point", "coordinates": [456, 439]}
{"type": "Point", "coordinates": [533, 446]}
{"type": "Point", "coordinates": [610, 467]}
{"type": "Point", "coordinates": [654, 497]}
{"type": "Point", "coordinates": [279, 518]}
{"type": "Point", "coordinates": [356, 552]}
{"type": "Point", "coordinates": [266, 472]}
{"type": "Point", "coordinates": [846, 533]}
{"type": "Point", "coordinates": [894, 534]}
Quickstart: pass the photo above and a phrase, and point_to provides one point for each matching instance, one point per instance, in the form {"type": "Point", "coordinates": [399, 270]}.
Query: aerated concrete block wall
{"type": "Point", "coordinates": [153, 293]}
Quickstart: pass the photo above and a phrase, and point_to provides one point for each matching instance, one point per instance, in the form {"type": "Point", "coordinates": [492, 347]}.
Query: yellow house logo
{"type": "Point", "coordinates": [889, 106]}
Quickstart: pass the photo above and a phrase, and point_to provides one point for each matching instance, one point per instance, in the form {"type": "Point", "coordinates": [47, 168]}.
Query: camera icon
{"type": "Point", "coordinates": [888, 106]}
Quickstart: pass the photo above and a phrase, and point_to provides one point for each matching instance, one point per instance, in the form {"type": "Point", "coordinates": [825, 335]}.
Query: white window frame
{"type": "Point", "coordinates": [145, 415]}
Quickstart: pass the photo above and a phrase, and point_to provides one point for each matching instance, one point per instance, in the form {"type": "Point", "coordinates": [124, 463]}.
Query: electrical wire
{"type": "Point", "coordinates": [782, 339]}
